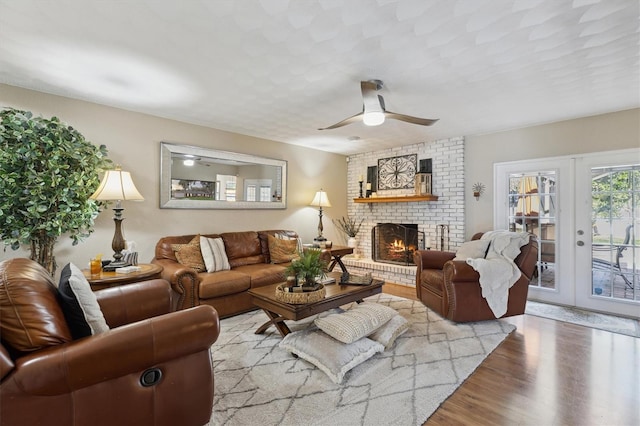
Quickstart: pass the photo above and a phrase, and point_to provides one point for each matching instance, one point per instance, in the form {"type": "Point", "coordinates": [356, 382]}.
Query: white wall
{"type": "Point", "coordinates": [133, 141]}
{"type": "Point", "coordinates": [618, 130]}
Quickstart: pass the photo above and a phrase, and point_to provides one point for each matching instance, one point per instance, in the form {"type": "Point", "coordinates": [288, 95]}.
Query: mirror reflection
{"type": "Point", "coordinates": [194, 177]}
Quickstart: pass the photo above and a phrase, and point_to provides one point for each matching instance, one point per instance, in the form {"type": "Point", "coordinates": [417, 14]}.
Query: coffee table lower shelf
{"type": "Point", "coordinates": [278, 312]}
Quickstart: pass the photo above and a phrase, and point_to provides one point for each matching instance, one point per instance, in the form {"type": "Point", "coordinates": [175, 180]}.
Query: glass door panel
{"type": "Point", "coordinates": [615, 267]}
{"type": "Point", "coordinates": [532, 208]}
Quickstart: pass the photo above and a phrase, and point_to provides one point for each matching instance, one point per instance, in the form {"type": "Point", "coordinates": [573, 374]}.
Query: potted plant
{"type": "Point", "coordinates": [351, 227]}
{"type": "Point", "coordinates": [308, 267]}
{"type": "Point", "coordinates": [48, 171]}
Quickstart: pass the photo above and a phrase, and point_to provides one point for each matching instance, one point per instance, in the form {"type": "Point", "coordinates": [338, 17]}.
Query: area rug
{"type": "Point", "coordinates": [258, 383]}
{"type": "Point", "coordinates": [586, 318]}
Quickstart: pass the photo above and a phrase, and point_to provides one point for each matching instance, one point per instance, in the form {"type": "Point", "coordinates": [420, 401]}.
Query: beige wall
{"type": "Point", "coordinates": [607, 132]}
{"type": "Point", "coordinates": [134, 140]}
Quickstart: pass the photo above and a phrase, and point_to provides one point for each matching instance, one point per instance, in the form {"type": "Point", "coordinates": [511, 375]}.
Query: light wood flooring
{"type": "Point", "coordinates": [548, 373]}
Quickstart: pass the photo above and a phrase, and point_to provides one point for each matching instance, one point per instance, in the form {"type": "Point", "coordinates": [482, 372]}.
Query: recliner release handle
{"type": "Point", "coordinates": [150, 377]}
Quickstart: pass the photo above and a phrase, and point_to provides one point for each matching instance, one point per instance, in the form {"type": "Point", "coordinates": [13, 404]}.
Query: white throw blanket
{"type": "Point", "coordinates": [497, 270]}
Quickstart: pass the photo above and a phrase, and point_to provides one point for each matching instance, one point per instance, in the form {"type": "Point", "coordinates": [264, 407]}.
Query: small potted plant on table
{"type": "Point", "coordinates": [351, 228]}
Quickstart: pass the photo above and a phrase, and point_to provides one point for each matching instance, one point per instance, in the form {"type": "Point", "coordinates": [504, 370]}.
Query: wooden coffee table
{"type": "Point", "coordinates": [337, 295]}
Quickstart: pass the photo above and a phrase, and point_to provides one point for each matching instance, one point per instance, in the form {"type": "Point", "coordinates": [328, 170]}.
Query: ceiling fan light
{"type": "Point", "coordinates": [373, 118]}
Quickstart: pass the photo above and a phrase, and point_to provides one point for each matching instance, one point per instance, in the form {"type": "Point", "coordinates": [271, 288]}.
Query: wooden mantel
{"type": "Point", "coordinates": [397, 199]}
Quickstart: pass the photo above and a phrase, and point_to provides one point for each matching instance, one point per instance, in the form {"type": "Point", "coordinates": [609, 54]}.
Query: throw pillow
{"type": "Point", "coordinates": [357, 322]}
{"type": "Point", "coordinates": [475, 249]}
{"type": "Point", "coordinates": [282, 236]}
{"type": "Point", "coordinates": [388, 333]}
{"type": "Point", "coordinates": [283, 251]}
{"type": "Point", "coordinates": [214, 255]}
{"type": "Point", "coordinates": [335, 359]}
{"type": "Point", "coordinates": [190, 254]}
{"type": "Point", "coordinates": [79, 304]}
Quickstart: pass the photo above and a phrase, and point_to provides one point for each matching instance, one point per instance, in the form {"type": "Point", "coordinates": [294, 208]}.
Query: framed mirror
{"type": "Point", "coordinates": [193, 177]}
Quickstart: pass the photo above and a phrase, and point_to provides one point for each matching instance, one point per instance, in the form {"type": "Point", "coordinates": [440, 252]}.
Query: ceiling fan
{"type": "Point", "coordinates": [373, 111]}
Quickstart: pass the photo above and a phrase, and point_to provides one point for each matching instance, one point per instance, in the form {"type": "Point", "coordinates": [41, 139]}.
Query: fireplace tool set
{"type": "Point", "coordinates": [440, 236]}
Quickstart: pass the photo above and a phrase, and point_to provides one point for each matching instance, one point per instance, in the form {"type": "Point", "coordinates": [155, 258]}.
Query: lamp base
{"type": "Point", "coordinates": [319, 238]}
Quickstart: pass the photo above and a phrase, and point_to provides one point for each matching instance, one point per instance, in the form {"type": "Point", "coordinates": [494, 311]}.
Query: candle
{"type": "Point", "coordinates": [368, 186]}
{"type": "Point", "coordinates": [361, 178]}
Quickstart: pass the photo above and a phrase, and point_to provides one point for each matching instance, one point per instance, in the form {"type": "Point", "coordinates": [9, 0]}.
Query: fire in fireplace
{"type": "Point", "coordinates": [395, 243]}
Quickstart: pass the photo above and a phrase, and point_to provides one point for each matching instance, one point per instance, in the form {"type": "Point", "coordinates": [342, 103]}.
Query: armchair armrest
{"type": "Point", "coordinates": [458, 271]}
{"type": "Point", "coordinates": [184, 281]}
{"type": "Point", "coordinates": [432, 259]}
{"type": "Point", "coordinates": [130, 349]}
{"type": "Point", "coordinates": [129, 303]}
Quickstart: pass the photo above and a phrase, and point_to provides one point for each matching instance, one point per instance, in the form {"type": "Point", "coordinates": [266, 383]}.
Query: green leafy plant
{"type": "Point", "coordinates": [309, 266]}
{"type": "Point", "coordinates": [48, 172]}
{"type": "Point", "coordinates": [350, 226]}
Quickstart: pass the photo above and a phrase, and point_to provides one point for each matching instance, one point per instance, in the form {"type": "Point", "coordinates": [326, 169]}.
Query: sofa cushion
{"type": "Point", "coordinates": [32, 319]}
{"type": "Point", "coordinates": [264, 273]}
{"type": "Point", "coordinates": [223, 283]}
{"type": "Point", "coordinates": [79, 304]}
{"type": "Point", "coordinates": [213, 254]}
{"type": "Point", "coordinates": [190, 254]}
{"type": "Point", "coordinates": [283, 250]}
{"type": "Point", "coordinates": [243, 248]}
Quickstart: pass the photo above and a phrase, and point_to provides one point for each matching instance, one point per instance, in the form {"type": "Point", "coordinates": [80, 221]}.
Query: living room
{"type": "Point", "coordinates": [318, 159]}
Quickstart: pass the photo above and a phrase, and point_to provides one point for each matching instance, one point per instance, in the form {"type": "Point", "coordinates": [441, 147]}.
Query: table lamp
{"type": "Point", "coordinates": [117, 186]}
{"type": "Point", "coordinates": [320, 200]}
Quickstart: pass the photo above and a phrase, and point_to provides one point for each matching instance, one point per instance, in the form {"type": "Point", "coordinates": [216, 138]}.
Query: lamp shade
{"type": "Point", "coordinates": [320, 200]}
{"type": "Point", "coordinates": [117, 185]}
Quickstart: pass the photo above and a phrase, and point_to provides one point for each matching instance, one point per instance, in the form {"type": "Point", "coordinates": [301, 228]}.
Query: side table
{"type": "Point", "coordinates": [148, 271]}
{"type": "Point", "coordinates": [336, 256]}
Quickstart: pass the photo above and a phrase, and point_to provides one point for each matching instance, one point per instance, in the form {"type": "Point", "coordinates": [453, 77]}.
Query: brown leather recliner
{"type": "Point", "coordinates": [153, 367]}
{"type": "Point", "coordinates": [452, 288]}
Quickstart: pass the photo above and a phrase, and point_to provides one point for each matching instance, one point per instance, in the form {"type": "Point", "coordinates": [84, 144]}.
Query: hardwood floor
{"type": "Point", "coordinates": [548, 373]}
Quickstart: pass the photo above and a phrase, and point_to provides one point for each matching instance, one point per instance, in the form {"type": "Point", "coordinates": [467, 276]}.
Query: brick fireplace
{"type": "Point", "coordinates": [448, 184]}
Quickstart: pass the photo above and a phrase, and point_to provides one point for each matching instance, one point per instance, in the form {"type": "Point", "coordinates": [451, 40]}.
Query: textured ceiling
{"type": "Point", "coordinates": [279, 69]}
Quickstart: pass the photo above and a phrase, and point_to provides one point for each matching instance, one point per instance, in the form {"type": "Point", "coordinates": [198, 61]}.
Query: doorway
{"type": "Point", "coordinates": [586, 213]}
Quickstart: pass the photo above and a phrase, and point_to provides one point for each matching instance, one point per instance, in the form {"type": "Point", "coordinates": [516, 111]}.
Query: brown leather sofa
{"type": "Point", "coordinates": [248, 254]}
{"type": "Point", "coordinates": [452, 288]}
{"type": "Point", "coordinates": [49, 379]}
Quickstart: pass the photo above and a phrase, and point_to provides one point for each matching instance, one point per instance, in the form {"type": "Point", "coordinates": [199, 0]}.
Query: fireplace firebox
{"type": "Point", "coordinates": [395, 243]}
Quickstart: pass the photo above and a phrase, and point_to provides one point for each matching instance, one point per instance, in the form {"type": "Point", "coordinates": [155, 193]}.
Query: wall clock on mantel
{"type": "Point", "coordinates": [397, 172]}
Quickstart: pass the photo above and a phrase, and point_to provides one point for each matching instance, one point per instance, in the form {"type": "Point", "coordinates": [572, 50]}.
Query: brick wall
{"type": "Point", "coordinates": [448, 185]}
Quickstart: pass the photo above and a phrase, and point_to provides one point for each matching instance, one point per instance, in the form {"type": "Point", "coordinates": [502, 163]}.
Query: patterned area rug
{"type": "Point", "coordinates": [605, 322]}
{"type": "Point", "coordinates": [258, 383]}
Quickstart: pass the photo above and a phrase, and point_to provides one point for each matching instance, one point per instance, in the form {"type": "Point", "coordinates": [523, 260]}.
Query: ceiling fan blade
{"type": "Point", "coordinates": [344, 122]}
{"type": "Point", "coordinates": [410, 119]}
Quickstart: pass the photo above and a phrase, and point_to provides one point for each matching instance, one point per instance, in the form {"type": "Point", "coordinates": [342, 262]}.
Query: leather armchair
{"type": "Point", "coordinates": [452, 289]}
{"type": "Point", "coordinates": [153, 367]}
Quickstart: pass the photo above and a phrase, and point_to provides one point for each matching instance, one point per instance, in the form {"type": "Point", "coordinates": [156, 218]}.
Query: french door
{"type": "Point", "coordinates": [586, 213]}
{"type": "Point", "coordinates": [608, 238]}
{"type": "Point", "coordinates": [535, 196]}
